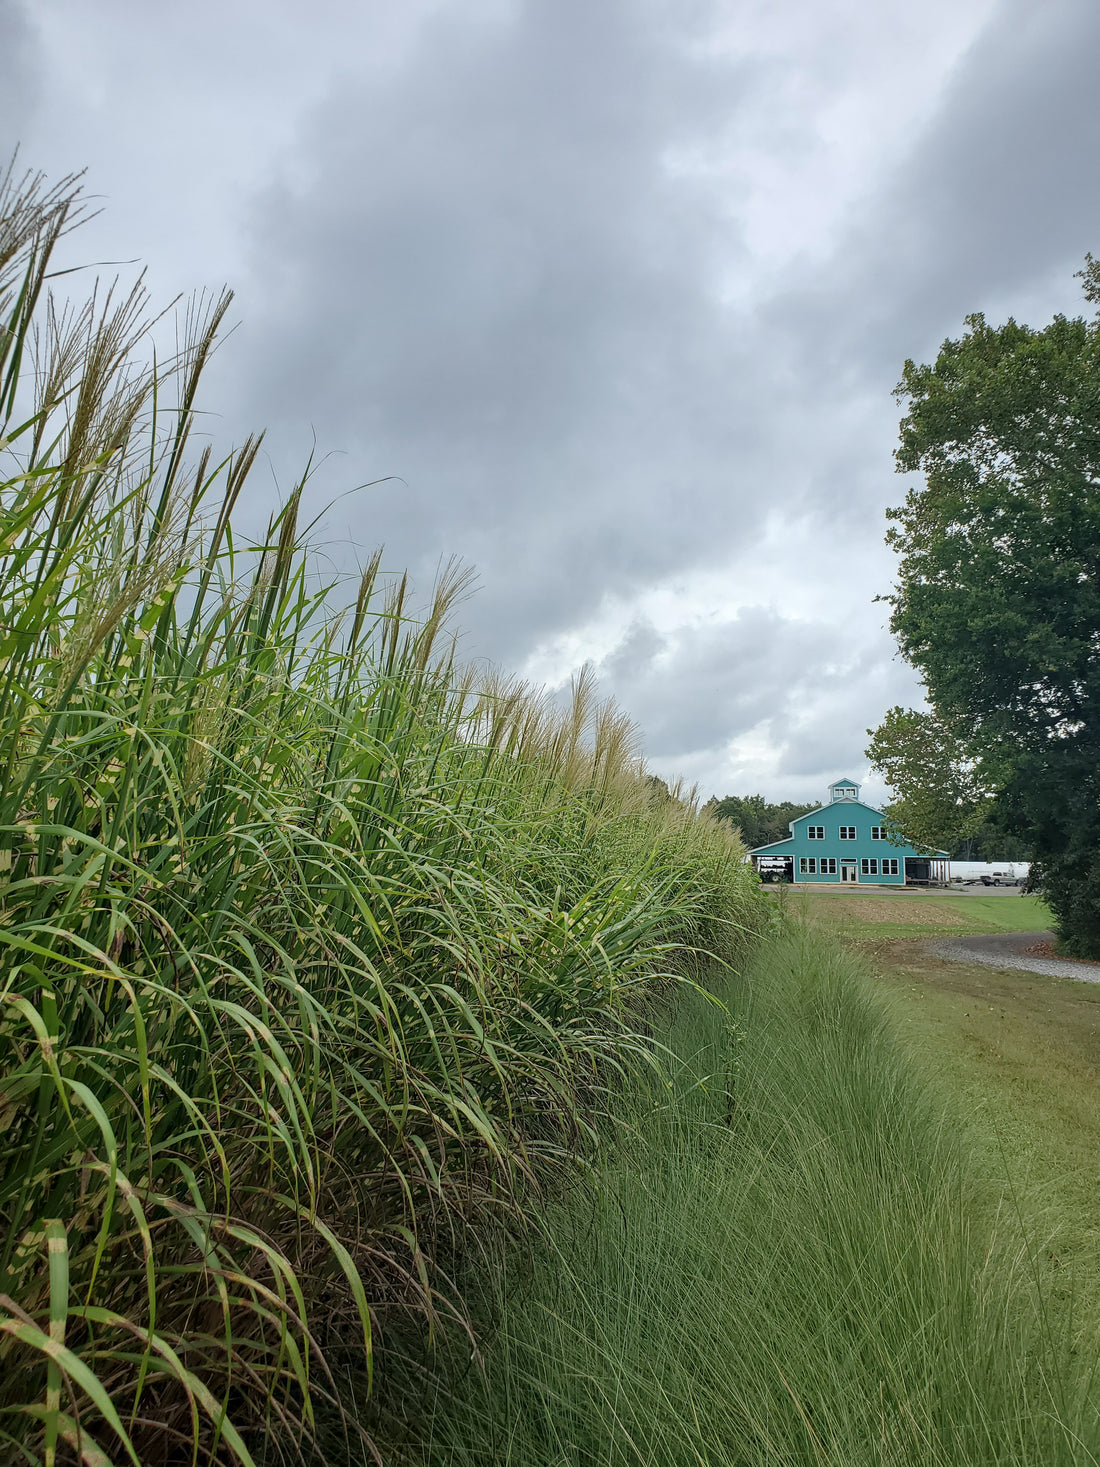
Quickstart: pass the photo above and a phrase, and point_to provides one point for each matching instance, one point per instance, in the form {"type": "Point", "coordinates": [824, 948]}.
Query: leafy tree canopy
{"type": "Point", "coordinates": [998, 593]}
{"type": "Point", "coordinates": [942, 796]}
{"type": "Point", "coordinates": [998, 600]}
{"type": "Point", "coordinates": [759, 822]}
{"type": "Point", "coordinates": [659, 791]}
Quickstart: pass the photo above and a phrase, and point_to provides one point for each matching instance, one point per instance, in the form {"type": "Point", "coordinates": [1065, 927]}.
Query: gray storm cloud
{"type": "Point", "coordinates": [19, 64]}
{"type": "Point", "coordinates": [1002, 195]}
{"type": "Point", "coordinates": [992, 208]}
{"type": "Point", "coordinates": [495, 284]}
{"type": "Point", "coordinates": [714, 683]}
{"type": "Point", "coordinates": [490, 281]}
{"type": "Point", "coordinates": [809, 692]}
{"type": "Point", "coordinates": [507, 258]}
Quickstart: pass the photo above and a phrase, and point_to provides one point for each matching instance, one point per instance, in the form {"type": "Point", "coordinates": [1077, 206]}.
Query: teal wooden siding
{"type": "Point", "coordinates": [850, 831]}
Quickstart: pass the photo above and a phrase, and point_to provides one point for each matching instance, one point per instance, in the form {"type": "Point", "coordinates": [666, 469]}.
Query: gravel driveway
{"type": "Point", "coordinates": [1008, 950]}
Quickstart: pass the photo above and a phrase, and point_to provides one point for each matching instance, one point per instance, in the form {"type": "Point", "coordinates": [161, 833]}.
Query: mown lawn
{"type": "Point", "coordinates": [1020, 1053]}
{"type": "Point", "coordinates": [862, 915]}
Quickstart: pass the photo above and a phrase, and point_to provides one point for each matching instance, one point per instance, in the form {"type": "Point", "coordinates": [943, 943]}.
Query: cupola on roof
{"type": "Point", "coordinates": [843, 789]}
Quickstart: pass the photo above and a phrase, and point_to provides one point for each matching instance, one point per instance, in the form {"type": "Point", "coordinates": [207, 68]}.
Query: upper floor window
{"type": "Point", "coordinates": [877, 832]}
{"type": "Point", "coordinates": [815, 832]}
{"type": "Point", "coordinates": [847, 832]}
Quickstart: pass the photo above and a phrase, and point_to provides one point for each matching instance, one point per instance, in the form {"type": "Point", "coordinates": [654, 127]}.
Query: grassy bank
{"type": "Point", "coordinates": [789, 1260]}
{"type": "Point", "coordinates": [314, 949]}
{"type": "Point", "coordinates": [1019, 1053]}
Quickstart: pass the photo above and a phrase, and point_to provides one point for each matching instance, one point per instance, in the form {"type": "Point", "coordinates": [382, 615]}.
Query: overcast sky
{"type": "Point", "coordinates": [613, 292]}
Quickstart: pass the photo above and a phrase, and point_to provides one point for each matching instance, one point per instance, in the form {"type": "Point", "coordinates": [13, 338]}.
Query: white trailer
{"type": "Point", "coordinates": [989, 873]}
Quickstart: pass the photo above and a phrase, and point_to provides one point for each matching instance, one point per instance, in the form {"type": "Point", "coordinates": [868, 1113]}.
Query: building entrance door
{"type": "Point", "coordinates": [849, 871]}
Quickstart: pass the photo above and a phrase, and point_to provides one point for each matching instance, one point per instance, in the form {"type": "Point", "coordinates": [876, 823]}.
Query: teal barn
{"type": "Point", "coordinates": [846, 840]}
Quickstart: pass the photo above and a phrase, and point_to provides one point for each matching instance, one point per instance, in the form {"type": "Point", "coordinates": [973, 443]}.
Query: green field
{"type": "Point", "coordinates": [1018, 1054]}
{"type": "Point", "coordinates": [876, 915]}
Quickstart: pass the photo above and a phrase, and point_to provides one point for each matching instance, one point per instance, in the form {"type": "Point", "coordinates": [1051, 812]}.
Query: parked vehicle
{"type": "Point", "coordinates": [989, 873]}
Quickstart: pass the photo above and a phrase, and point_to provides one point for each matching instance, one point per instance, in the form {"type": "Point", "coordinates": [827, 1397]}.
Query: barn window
{"type": "Point", "coordinates": [847, 832]}
{"type": "Point", "coordinates": [815, 832]}
{"type": "Point", "coordinates": [877, 833]}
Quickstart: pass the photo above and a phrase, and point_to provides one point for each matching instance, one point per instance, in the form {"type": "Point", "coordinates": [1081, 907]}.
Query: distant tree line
{"type": "Point", "coordinates": [759, 822]}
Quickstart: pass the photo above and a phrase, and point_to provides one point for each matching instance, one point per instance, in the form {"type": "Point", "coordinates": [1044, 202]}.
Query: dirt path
{"type": "Point", "coordinates": [1010, 950]}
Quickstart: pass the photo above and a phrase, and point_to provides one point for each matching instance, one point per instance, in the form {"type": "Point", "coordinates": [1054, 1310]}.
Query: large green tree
{"type": "Point", "coordinates": [943, 797]}
{"type": "Point", "coordinates": [940, 799]}
{"type": "Point", "coordinates": [997, 601]}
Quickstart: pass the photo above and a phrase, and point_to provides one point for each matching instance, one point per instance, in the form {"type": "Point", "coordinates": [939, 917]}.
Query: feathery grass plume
{"type": "Point", "coordinates": [310, 944]}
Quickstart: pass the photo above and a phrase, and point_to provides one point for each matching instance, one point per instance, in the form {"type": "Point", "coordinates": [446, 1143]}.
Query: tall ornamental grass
{"type": "Point", "coordinates": [787, 1262]}
{"type": "Point", "coordinates": [313, 951]}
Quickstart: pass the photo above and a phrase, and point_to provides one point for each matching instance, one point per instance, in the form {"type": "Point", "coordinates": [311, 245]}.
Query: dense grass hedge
{"type": "Point", "coordinates": [313, 949]}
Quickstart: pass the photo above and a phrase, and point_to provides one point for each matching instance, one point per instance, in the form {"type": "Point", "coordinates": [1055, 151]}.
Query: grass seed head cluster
{"type": "Point", "coordinates": [313, 948]}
